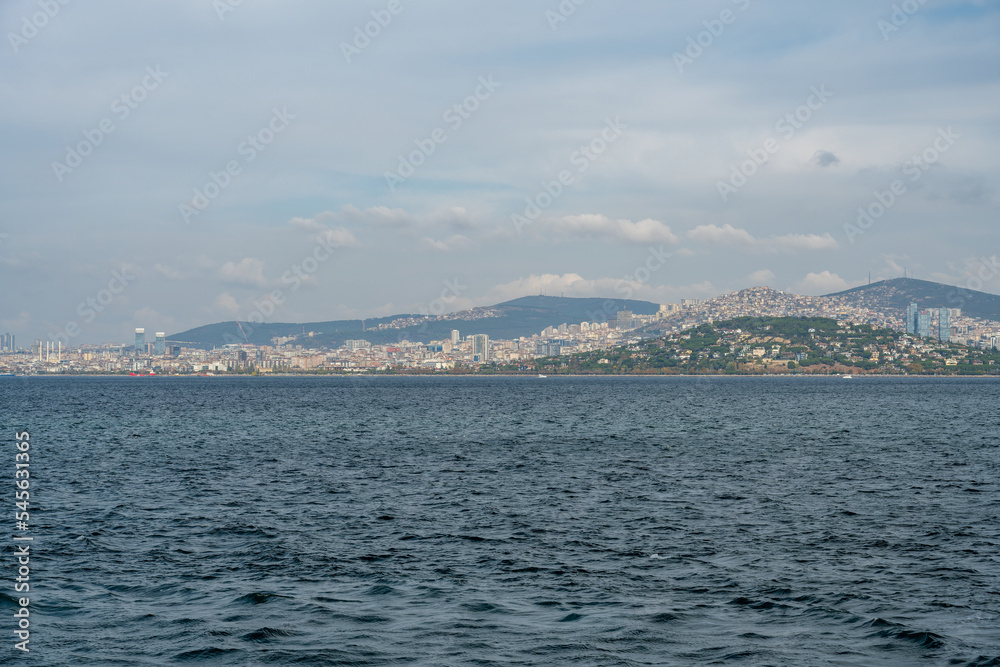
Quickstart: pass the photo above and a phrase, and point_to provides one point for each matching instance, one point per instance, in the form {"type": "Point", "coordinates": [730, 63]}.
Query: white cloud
{"type": "Point", "coordinates": [383, 216]}
{"type": "Point", "coordinates": [815, 284]}
{"type": "Point", "coordinates": [727, 235]}
{"type": "Point", "coordinates": [601, 226]}
{"type": "Point", "coordinates": [762, 277]}
{"type": "Point", "coordinates": [227, 302]}
{"type": "Point", "coordinates": [455, 242]}
{"type": "Point", "coordinates": [377, 215]}
{"type": "Point", "coordinates": [575, 285]}
{"type": "Point", "coordinates": [338, 236]}
{"type": "Point", "coordinates": [307, 224]}
{"type": "Point", "coordinates": [152, 320]}
{"type": "Point", "coordinates": [250, 271]}
{"type": "Point", "coordinates": [168, 272]}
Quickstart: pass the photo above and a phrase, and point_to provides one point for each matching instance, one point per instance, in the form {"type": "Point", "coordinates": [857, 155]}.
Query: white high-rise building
{"type": "Point", "coordinates": [455, 337]}
{"type": "Point", "coordinates": [481, 347]}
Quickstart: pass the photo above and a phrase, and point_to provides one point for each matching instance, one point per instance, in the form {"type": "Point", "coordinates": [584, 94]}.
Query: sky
{"type": "Point", "coordinates": [171, 164]}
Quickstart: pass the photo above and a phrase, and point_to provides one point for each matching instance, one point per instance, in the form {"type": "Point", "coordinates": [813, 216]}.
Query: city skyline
{"type": "Point", "coordinates": [355, 162]}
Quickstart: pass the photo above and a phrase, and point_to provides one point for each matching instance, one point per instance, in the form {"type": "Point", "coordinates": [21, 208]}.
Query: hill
{"type": "Point", "coordinates": [898, 293]}
{"type": "Point", "coordinates": [778, 345]}
{"type": "Point", "coordinates": [512, 319]}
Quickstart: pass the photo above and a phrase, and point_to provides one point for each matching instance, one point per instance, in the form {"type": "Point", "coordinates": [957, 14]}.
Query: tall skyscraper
{"type": "Point", "coordinates": [160, 344]}
{"type": "Point", "coordinates": [944, 325]}
{"type": "Point", "coordinates": [7, 342]}
{"type": "Point", "coordinates": [924, 324]}
{"type": "Point", "coordinates": [455, 337]}
{"type": "Point", "coordinates": [140, 341]}
{"type": "Point", "coordinates": [625, 319]}
{"type": "Point", "coordinates": [911, 318]}
{"type": "Point", "coordinates": [481, 348]}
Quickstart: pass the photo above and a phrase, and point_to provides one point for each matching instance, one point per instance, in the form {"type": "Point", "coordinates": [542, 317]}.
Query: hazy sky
{"type": "Point", "coordinates": [171, 164]}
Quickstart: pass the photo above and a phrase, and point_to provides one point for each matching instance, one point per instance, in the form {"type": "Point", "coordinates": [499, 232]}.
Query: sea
{"type": "Point", "coordinates": [488, 521]}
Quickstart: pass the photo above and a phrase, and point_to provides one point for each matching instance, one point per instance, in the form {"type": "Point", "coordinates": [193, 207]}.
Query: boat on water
{"type": "Point", "coordinates": [7, 375]}
{"type": "Point", "coordinates": [542, 376]}
{"type": "Point", "coordinates": [847, 377]}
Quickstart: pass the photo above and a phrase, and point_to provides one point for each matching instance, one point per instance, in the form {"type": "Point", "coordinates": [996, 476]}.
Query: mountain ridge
{"type": "Point", "coordinates": [898, 293]}
{"type": "Point", "coordinates": [523, 316]}
{"type": "Point", "coordinates": [528, 315]}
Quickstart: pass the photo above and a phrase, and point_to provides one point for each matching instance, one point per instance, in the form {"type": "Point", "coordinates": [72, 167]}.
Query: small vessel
{"type": "Point", "coordinates": [542, 376]}
{"type": "Point", "coordinates": [847, 377]}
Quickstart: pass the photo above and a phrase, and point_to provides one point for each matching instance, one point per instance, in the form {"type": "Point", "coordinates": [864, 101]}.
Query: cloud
{"type": "Point", "coordinates": [761, 277]}
{"type": "Point", "coordinates": [575, 285]}
{"type": "Point", "coordinates": [250, 271]}
{"type": "Point", "coordinates": [152, 320]}
{"type": "Point", "coordinates": [821, 283]}
{"type": "Point", "coordinates": [601, 226]}
{"type": "Point", "coordinates": [727, 235]}
{"type": "Point", "coordinates": [226, 301]}
{"type": "Point", "coordinates": [307, 224]}
{"type": "Point", "coordinates": [825, 158]}
{"type": "Point", "coordinates": [338, 236]}
{"type": "Point", "coordinates": [378, 216]}
{"type": "Point", "coordinates": [455, 242]}
{"type": "Point", "coordinates": [168, 272]}
{"type": "Point", "coordinates": [383, 216]}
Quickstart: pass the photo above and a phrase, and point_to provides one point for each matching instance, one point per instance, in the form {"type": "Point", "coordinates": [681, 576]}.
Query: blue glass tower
{"type": "Point", "coordinates": [944, 325]}
{"type": "Point", "coordinates": [911, 318]}
{"type": "Point", "coordinates": [924, 324]}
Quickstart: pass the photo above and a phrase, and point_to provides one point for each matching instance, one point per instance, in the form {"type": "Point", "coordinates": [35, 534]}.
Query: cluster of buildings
{"type": "Point", "coordinates": [295, 354]}
{"type": "Point", "coordinates": [957, 327]}
{"type": "Point", "coordinates": [929, 322]}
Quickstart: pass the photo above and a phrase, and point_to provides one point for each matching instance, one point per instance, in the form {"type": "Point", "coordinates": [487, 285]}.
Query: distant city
{"type": "Point", "coordinates": [295, 354]}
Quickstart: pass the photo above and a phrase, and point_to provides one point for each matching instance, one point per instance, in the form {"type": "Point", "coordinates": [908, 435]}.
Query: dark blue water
{"type": "Point", "coordinates": [508, 521]}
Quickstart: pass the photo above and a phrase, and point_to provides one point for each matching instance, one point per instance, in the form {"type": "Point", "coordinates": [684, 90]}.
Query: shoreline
{"type": "Point", "coordinates": [834, 376]}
